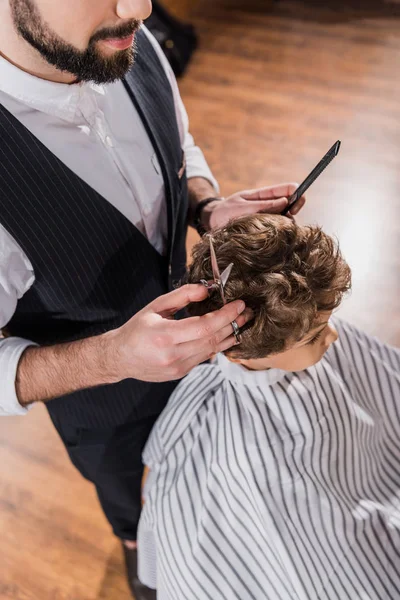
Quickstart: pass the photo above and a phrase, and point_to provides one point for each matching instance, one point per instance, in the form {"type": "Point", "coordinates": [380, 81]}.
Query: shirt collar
{"type": "Point", "coordinates": [58, 99]}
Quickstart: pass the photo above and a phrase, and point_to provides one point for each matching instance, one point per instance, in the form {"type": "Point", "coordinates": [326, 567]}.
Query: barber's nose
{"type": "Point", "coordinates": [134, 9]}
{"type": "Point", "coordinates": [331, 335]}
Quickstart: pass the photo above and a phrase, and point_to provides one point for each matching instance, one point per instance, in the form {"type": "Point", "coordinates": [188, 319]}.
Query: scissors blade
{"type": "Point", "coordinates": [216, 273]}
{"type": "Point", "coordinates": [225, 275]}
{"type": "Point", "coordinates": [214, 264]}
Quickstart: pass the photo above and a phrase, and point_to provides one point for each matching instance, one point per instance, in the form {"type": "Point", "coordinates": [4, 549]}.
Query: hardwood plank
{"type": "Point", "coordinates": [271, 88]}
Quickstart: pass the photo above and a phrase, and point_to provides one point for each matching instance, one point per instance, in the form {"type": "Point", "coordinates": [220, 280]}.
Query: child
{"type": "Point", "coordinates": [275, 470]}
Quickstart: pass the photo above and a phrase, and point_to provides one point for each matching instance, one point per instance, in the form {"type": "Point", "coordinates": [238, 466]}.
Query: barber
{"type": "Point", "coordinates": [100, 178]}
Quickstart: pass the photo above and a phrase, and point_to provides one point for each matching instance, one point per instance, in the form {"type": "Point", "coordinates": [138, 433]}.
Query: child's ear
{"type": "Point", "coordinates": [233, 359]}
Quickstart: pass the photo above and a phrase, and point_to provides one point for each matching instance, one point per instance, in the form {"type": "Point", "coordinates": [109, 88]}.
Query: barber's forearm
{"type": "Point", "coordinates": [49, 372]}
{"type": "Point", "coordinates": [200, 189]}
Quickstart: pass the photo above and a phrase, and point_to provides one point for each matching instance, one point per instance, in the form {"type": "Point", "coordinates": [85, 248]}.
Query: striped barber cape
{"type": "Point", "coordinates": [271, 485]}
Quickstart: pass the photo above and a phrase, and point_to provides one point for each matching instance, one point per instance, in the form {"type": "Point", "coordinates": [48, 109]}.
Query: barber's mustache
{"type": "Point", "coordinates": [120, 32]}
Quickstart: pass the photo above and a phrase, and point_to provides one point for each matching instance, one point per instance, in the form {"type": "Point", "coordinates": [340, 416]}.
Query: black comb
{"type": "Point", "coordinates": [316, 172]}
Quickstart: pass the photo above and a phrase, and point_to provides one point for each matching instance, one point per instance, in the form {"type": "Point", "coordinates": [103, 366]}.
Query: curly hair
{"type": "Point", "coordinates": [285, 272]}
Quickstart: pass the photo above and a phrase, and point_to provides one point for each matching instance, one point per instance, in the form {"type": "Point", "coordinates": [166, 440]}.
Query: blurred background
{"type": "Point", "coordinates": [271, 86]}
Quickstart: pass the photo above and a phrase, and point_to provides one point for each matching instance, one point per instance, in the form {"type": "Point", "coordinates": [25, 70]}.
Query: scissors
{"type": "Point", "coordinates": [219, 283]}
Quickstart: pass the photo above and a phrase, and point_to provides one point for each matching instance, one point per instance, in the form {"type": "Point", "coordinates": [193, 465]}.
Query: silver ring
{"type": "Point", "coordinates": [236, 332]}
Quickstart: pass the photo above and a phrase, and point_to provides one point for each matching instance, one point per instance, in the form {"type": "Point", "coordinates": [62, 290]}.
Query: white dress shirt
{"type": "Point", "coordinates": [96, 131]}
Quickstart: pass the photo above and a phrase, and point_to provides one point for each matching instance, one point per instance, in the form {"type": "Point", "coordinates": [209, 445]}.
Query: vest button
{"type": "Point", "coordinates": [170, 269]}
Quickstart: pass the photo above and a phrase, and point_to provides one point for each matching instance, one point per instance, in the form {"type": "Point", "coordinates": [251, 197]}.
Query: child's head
{"type": "Point", "coordinates": [291, 276]}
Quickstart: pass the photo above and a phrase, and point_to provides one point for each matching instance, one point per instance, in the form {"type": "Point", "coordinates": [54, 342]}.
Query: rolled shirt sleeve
{"type": "Point", "coordinates": [16, 278]}
{"type": "Point", "coordinates": [11, 350]}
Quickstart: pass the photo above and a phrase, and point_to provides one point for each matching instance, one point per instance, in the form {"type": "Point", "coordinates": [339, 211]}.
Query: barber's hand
{"type": "Point", "coordinates": [271, 200]}
{"type": "Point", "coordinates": [152, 346]}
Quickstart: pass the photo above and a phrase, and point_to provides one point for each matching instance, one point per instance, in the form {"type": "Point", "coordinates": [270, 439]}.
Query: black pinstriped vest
{"type": "Point", "coordinates": [93, 268]}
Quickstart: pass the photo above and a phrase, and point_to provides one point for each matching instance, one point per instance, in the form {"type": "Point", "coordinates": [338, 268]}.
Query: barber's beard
{"type": "Point", "coordinates": [86, 65]}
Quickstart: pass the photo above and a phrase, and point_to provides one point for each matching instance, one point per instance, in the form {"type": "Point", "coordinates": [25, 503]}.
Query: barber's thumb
{"type": "Point", "coordinates": [179, 298]}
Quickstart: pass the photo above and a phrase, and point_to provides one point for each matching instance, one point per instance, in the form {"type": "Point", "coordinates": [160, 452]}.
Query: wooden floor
{"type": "Point", "coordinates": [272, 87]}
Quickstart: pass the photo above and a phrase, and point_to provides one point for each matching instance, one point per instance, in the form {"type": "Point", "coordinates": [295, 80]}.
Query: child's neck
{"type": "Point", "coordinates": [247, 364]}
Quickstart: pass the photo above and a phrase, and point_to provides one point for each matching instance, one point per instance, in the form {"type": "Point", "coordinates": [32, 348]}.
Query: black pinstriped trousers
{"type": "Point", "coordinates": [112, 460]}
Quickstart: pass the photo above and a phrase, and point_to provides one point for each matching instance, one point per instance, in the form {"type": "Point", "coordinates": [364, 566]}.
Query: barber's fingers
{"type": "Point", "coordinates": [207, 326]}
{"type": "Point", "coordinates": [298, 206]}
{"type": "Point", "coordinates": [189, 364]}
{"type": "Point", "coordinates": [267, 206]}
{"type": "Point", "coordinates": [282, 190]}
{"type": "Point", "coordinates": [206, 347]}
{"type": "Point", "coordinates": [241, 320]}
{"type": "Point", "coordinates": [272, 207]}
{"type": "Point", "coordinates": [169, 304]}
